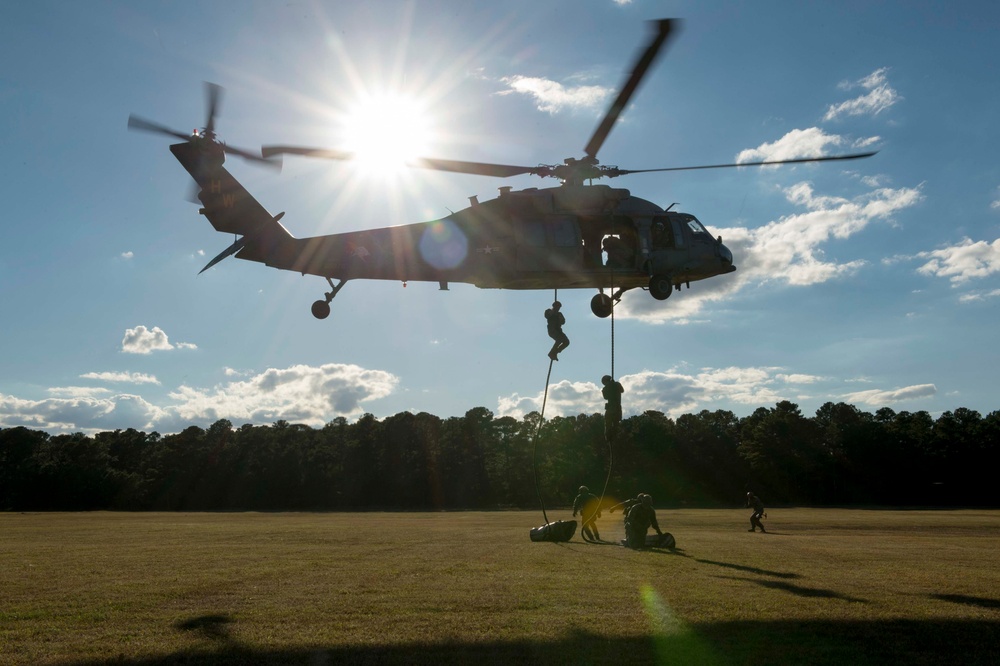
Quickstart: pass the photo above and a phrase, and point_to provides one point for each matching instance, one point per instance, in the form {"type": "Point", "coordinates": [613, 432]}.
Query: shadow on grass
{"type": "Point", "coordinates": [980, 602]}
{"type": "Point", "coordinates": [798, 590]}
{"type": "Point", "coordinates": [212, 627]}
{"type": "Point", "coordinates": [753, 570]}
{"type": "Point", "coordinates": [786, 642]}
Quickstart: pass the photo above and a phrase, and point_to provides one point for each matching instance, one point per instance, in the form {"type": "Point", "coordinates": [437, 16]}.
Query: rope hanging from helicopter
{"type": "Point", "coordinates": [541, 420]}
{"type": "Point", "coordinates": [538, 429]}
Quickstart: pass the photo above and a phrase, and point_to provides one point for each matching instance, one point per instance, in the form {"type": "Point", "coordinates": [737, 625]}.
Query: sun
{"type": "Point", "coordinates": [386, 132]}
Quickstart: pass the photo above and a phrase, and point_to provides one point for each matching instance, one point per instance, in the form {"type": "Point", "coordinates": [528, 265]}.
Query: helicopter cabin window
{"type": "Point", "coordinates": [531, 233]}
{"type": "Point", "coordinates": [662, 234]}
{"type": "Point", "coordinates": [564, 231]}
{"type": "Point", "coordinates": [555, 231]}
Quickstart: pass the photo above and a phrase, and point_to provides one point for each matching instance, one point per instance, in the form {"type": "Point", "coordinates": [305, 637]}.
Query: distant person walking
{"type": "Point", "coordinates": [612, 393]}
{"type": "Point", "coordinates": [589, 507]}
{"type": "Point", "coordinates": [758, 513]}
{"type": "Point", "coordinates": [555, 321]}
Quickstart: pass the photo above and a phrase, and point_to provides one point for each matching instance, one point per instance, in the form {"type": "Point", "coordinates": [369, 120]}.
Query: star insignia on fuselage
{"type": "Point", "coordinates": [489, 249]}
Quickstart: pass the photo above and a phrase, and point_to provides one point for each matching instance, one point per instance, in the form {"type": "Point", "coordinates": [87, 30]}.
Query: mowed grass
{"type": "Point", "coordinates": [823, 586]}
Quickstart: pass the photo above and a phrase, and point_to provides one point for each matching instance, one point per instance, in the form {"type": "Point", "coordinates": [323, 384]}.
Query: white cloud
{"type": "Point", "coordinates": [881, 398]}
{"type": "Point", "coordinates": [142, 340]}
{"type": "Point", "coordinates": [127, 255]}
{"type": "Point", "coordinates": [127, 377]}
{"type": "Point", "coordinates": [77, 391]}
{"type": "Point", "coordinates": [672, 392]}
{"type": "Point", "coordinates": [979, 296]}
{"type": "Point", "coordinates": [79, 413]}
{"type": "Point", "coordinates": [553, 97]}
{"type": "Point", "coordinates": [962, 262]}
{"type": "Point", "coordinates": [300, 394]}
{"type": "Point", "coordinates": [788, 250]}
{"type": "Point", "coordinates": [880, 96]}
{"type": "Point", "coordinates": [811, 142]}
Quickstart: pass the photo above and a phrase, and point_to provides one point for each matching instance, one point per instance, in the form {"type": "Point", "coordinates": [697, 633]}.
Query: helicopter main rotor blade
{"type": "Point", "coordinates": [143, 125]}
{"type": "Point", "coordinates": [474, 168]}
{"type": "Point", "coordinates": [271, 161]}
{"type": "Point", "coordinates": [611, 173]}
{"type": "Point", "coordinates": [663, 28]}
{"type": "Point", "coordinates": [213, 95]}
{"type": "Point", "coordinates": [454, 166]}
{"type": "Point", "coordinates": [326, 153]}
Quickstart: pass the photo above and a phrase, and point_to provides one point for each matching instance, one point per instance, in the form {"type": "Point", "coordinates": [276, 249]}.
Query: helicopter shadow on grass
{"type": "Point", "coordinates": [792, 641]}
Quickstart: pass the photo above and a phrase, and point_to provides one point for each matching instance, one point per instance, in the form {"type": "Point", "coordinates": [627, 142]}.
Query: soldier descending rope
{"type": "Point", "coordinates": [612, 393]}
{"type": "Point", "coordinates": [555, 321]}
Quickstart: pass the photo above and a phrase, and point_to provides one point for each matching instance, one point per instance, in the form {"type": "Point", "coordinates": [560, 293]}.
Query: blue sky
{"type": "Point", "coordinates": [873, 282]}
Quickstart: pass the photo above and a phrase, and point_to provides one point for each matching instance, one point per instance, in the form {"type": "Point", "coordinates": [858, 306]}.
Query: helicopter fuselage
{"type": "Point", "coordinates": [567, 237]}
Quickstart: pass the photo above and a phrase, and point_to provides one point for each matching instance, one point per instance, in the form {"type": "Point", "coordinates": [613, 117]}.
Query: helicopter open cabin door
{"type": "Point", "coordinates": [668, 244]}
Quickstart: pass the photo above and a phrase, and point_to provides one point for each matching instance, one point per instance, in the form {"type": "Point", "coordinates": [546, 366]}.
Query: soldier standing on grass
{"type": "Point", "coordinates": [588, 506]}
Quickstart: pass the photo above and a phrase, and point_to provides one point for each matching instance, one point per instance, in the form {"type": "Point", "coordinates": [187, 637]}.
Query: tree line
{"type": "Point", "coordinates": [839, 456]}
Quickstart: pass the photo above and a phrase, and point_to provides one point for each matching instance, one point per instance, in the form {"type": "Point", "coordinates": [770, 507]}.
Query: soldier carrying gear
{"type": "Point", "coordinates": [589, 508]}
{"type": "Point", "coordinates": [555, 321]}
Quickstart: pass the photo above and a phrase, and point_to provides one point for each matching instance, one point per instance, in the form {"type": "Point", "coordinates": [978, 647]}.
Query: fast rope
{"type": "Point", "coordinates": [611, 446]}
{"type": "Point", "coordinates": [541, 420]}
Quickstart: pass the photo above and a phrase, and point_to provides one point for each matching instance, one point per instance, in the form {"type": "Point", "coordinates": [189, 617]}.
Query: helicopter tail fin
{"type": "Point", "coordinates": [232, 209]}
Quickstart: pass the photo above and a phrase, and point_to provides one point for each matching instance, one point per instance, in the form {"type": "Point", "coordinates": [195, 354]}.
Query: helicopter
{"type": "Point", "coordinates": [577, 235]}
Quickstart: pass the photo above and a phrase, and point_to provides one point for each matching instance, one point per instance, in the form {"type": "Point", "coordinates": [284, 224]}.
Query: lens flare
{"type": "Point", "coordinates": [443, 245]}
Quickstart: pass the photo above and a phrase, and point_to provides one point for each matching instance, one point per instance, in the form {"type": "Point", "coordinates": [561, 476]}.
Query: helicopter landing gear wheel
{"type": "Point", "coordinates": [660, 287]}
{"type": "Point", "coordinates": [601, 305]}
{"type": "Point", "coordinates": [321, 309]}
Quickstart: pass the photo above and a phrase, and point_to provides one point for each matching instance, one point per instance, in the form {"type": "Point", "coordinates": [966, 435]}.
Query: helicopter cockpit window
{"type": "Point", "coordinates": [697, 228]}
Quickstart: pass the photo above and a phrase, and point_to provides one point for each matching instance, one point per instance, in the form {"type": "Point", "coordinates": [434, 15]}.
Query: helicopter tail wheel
{"type": "Point", "coordinates": [660, 287]}
{"type": "Point", "coordinates": [321, 309]}
{"type": "Point", "coordinates": [601, 305]}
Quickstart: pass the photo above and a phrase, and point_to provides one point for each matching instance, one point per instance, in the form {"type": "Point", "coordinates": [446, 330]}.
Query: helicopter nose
{"type": "Point", "coordinates": [726, 255]}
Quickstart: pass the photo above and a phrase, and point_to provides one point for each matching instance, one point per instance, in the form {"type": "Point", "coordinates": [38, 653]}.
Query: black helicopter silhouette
{"type": "Point", "coordinates": [573, 236]}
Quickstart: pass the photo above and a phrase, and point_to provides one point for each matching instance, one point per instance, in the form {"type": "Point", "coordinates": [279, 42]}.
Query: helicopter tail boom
{"type": "Point", "coordinates": [230, 208]}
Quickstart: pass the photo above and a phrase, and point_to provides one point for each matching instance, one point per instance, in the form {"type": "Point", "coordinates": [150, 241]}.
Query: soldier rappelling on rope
{"type": "Point", "coordinates": [612, 393]}
{"type": "Point", "coordinates": [555, 321]}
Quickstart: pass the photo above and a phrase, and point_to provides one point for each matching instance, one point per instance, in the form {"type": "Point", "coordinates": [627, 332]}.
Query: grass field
{"type": "Point", "coordinates": [822, 587]}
